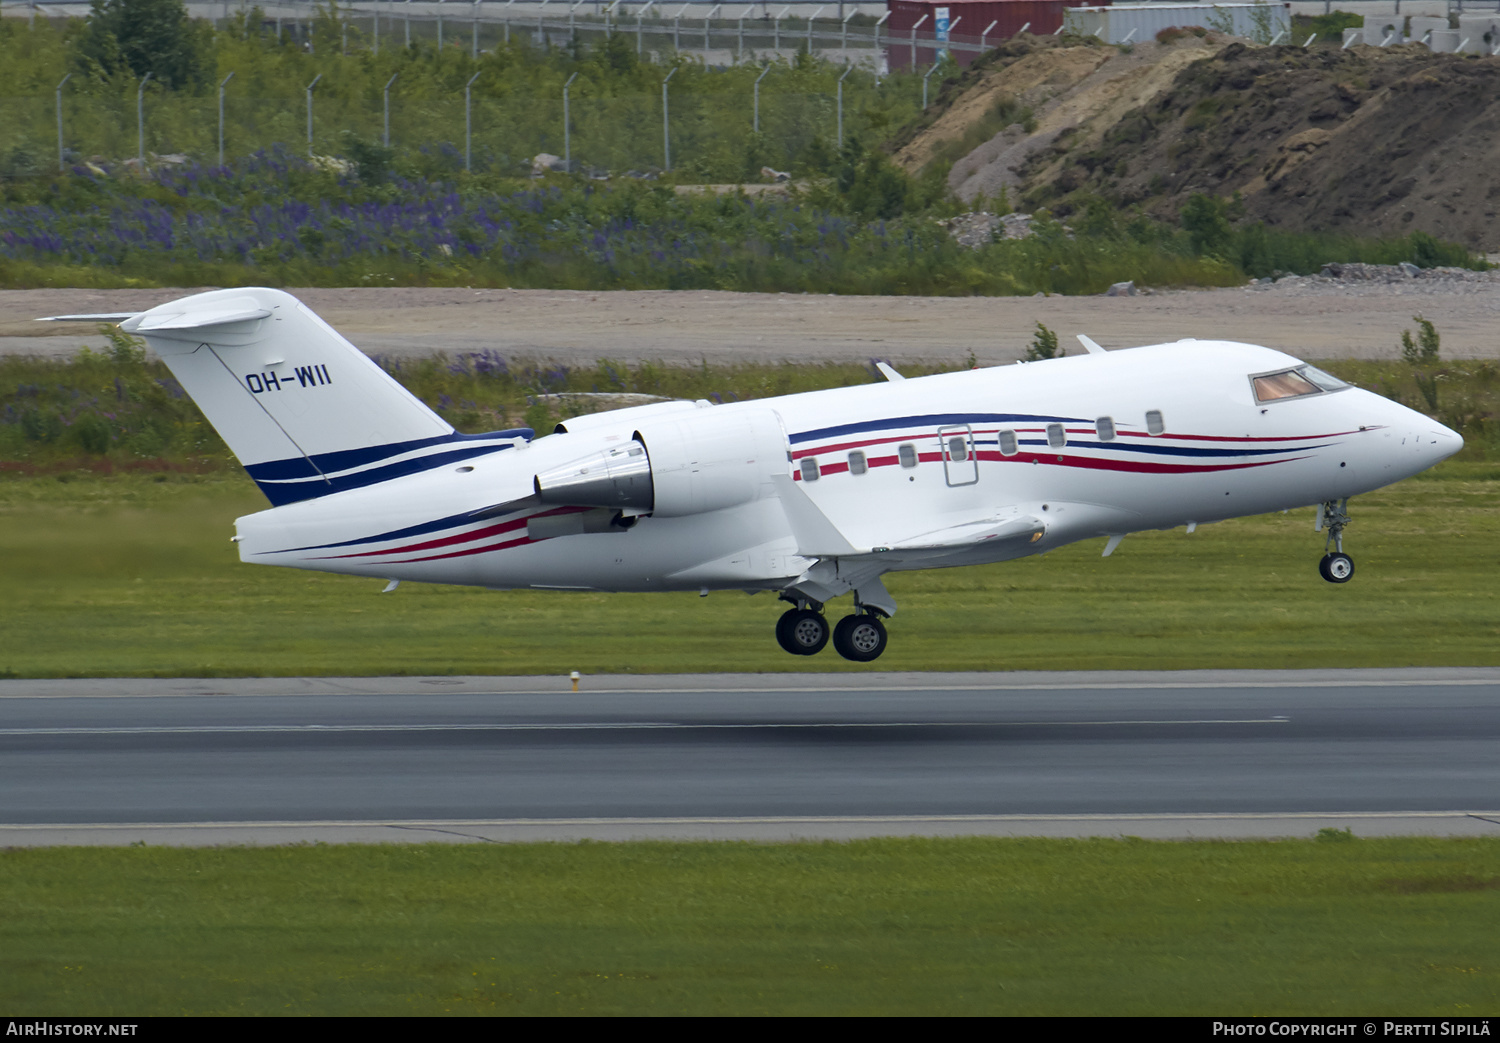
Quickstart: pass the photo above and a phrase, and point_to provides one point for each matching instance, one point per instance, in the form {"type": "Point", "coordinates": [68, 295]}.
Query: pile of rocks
{"type": "Point", "coordinates": [1355, 275]}
{"type": "Point", "coordinates": [980, 228]}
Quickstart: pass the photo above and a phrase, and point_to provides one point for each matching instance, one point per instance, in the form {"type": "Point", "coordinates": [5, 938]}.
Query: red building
{"type": "Point", "coordinates": [966, 27]}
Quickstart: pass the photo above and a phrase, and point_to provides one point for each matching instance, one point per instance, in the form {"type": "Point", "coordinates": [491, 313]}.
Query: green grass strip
{"type": "Point", "coordinates": [127, 576]}
{"type": "Point", "coordinates": [901, 926]}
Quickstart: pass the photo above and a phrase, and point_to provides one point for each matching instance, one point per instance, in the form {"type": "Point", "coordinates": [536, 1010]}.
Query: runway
{"type": "Point", "coordinates": [761, 757]}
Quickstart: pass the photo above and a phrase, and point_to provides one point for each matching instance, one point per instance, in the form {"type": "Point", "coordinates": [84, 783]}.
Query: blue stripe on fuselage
{"type": "Point", "coordinates": [930, 420]}
{"type": "Point", "coordinates": [304, 478]}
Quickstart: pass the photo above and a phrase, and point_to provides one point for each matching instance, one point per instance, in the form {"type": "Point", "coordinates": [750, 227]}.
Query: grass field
{"type": "Point", "coordinates": [970, 926]}
{"type": "Point", "coordinates": [134, 576]}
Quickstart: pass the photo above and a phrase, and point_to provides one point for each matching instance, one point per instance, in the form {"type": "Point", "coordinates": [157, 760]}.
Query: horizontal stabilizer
{"type": "Point", "coordinates": [197, 319]}
{"type": "Point", "coordinates": [104, 316]}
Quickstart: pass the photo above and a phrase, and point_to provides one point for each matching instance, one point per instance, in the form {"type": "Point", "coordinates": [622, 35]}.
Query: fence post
{"type": "Point", "coordinates": [914, 45]}
{"type": "Point", "coordinates": [310, 87]}
{"type": "Point", "coordinates": [221, 116]}
{"type": "Point", "coordinates": [776, 23]}
{"type": "Point", "coordinates": [677, 29]}
{"type": "Point", "coordinates": [844, 28]}
{"type": "Point", "coordinates": [567, 131]}
{"type": "Point", "coordinates": [986, 33]}
{"type": "Point", "coordinates": [639, 14]}
{"type": "Point", "coordinates": [706, 19]}
{"type": "Point", "coordinates": [469, 123]}
{"type": "Point", "coordinates": [60, 166]}
{"type": "Point", "coordinates": [666, 130]}
{"type": "Point", "coordinates": [948, 39]}
{"type": "Point", "coordinates": [928, 77]}
{"type": "Point", "coordinates": [140, 121]}
{"type": "Point", "coordinates": [386, 95]}
{"type": "Point", "coordinates": [474, 35]}
{"type": "Point", "coordinates": [540, 11]}
{"type": "Point", "coordinates": [407, 10]}
{"type": "Point", "coordinates": [809, 28]}
{"type": "Point", "coordinates": [440, 24]}
{"type": "Point", "coordinates": [757, 95]}
{"type": "Point", "coordinates": [841, 105]}
{"type": "Point", "coordinates": [506, 15]}
{"type": "Point", "coordinates": [375, 48]}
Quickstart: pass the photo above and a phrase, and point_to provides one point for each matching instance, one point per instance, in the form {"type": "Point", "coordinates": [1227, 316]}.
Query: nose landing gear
{"type": "Point", "coordinates": [1336, 566]}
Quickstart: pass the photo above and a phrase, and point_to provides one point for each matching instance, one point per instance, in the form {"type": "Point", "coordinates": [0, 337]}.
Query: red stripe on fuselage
{"type": "Point", "coordinates": [462, 537]}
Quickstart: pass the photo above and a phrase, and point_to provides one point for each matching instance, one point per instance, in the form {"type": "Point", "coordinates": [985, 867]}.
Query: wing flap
{"type": "Point", "coordinates": [964, 535]}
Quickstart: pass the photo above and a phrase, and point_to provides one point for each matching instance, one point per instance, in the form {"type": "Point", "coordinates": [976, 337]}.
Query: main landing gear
{"type": "Point", "coordinates": [803, 630]}
{"type": "Point", "coordinates": [1336, 566]}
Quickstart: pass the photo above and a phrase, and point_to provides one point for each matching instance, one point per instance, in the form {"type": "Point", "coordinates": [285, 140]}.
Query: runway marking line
{"type": "Point", "coordinates": [1082, 686]}
{"type": "Point", "coordinates": [236, 729]}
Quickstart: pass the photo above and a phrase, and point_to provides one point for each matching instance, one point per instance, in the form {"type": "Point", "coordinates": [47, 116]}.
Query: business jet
{"type": "Point", "coordinates": [811, 496]}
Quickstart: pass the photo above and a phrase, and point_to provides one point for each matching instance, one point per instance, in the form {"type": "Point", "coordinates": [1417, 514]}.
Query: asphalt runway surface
{"type": "Point", "coordinates": [758, 757]}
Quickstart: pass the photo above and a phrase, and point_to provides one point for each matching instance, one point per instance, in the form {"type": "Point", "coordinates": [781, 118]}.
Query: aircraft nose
{"type": "Point", "coordinates": [1436, 442]}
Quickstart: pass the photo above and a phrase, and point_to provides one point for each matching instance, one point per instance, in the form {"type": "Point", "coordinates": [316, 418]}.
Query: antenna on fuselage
{"type": "Point", "coordinates": [1090, 345]}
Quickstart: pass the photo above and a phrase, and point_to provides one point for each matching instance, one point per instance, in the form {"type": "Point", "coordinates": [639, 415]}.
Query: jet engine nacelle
{"type": "Point", "coordinates": [712, 459]}
{"type": "Point", "coordinates": [677, 465]}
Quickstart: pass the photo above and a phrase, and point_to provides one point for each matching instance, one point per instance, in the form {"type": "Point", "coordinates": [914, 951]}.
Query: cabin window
{"type": "Point", "coordinates": [810, 472]}
{"type": "Point", "coordinates": [1290, 384]}
{"type": "Point", "coordinates": [958, 449]}
{"type": "Point", "coordinates": [1154, 423]}
{"type": "Point", "coordinates": [1007, 443]}
{"type": "Point", "coordinates": [1056, 436]}
{"type": "Point", "coordinates": [1105, 427]}
{"type": "Point", "coordinates": [908, 454]}
{"type": "Point", "coordinates": [857, 463]}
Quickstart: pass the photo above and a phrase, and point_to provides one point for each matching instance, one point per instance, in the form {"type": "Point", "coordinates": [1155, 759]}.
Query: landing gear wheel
{"type": "Point", "coordinates": [860, 638]}
{"type": "Point", "coordinates": [1336, 568]}
{"type": "Point", "coordinates": [801, 631]}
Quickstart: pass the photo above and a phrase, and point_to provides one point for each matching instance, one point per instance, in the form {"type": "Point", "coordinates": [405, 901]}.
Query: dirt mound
{"type": "Point", "coordinates": [1367, 141]}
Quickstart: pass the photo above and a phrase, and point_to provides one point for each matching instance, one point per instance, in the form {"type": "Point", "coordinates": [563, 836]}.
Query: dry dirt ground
{"type": "Point", "coordinates": [1310, 318]}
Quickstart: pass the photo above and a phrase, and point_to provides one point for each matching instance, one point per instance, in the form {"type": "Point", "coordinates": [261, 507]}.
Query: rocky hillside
{"type": "Point", "coordinates": [1366, 141]}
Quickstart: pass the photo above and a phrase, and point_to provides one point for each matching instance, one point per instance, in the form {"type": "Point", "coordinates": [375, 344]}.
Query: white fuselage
{"type": "Point", "coordinates": [938, 481]}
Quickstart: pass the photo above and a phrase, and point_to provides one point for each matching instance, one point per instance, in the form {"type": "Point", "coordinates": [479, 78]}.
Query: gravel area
{"type": "Point", "coordinates": [1358, 313]}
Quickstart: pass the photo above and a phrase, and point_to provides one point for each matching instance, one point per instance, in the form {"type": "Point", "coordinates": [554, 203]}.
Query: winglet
{"type": "Point", "coordinates": [888, 371]}
{"type": "Point", "coordinates": [1090, 345]}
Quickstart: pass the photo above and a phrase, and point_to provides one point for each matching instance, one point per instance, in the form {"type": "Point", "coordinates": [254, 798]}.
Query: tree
{"type": "Point", "coordinates": [1206, 221]}
{"type": "Point", "coordinates": [135, 37]}
{"type": "Point", "coordinates": [1043, 345]}
{"type": "Point", "coordinates": [1423, 351]}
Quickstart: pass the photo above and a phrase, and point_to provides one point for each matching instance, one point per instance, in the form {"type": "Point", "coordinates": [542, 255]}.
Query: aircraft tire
{"type": "Point", "coordinates": [1336, 568]}
{"type": "Point", "coordinates": [801, 631]}
{"type": "Point", "coordinates": [861, 638]}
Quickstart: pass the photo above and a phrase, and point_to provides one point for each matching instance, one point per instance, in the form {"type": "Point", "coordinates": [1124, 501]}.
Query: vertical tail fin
{"type": "Point", "coordinates": [305, 411]}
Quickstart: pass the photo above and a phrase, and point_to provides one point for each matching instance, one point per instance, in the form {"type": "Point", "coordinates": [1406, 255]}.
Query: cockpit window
{"type": "Point", "coordinates": [1326, 381]}
{"type": "Point", "coordinates": [1292, 383]}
